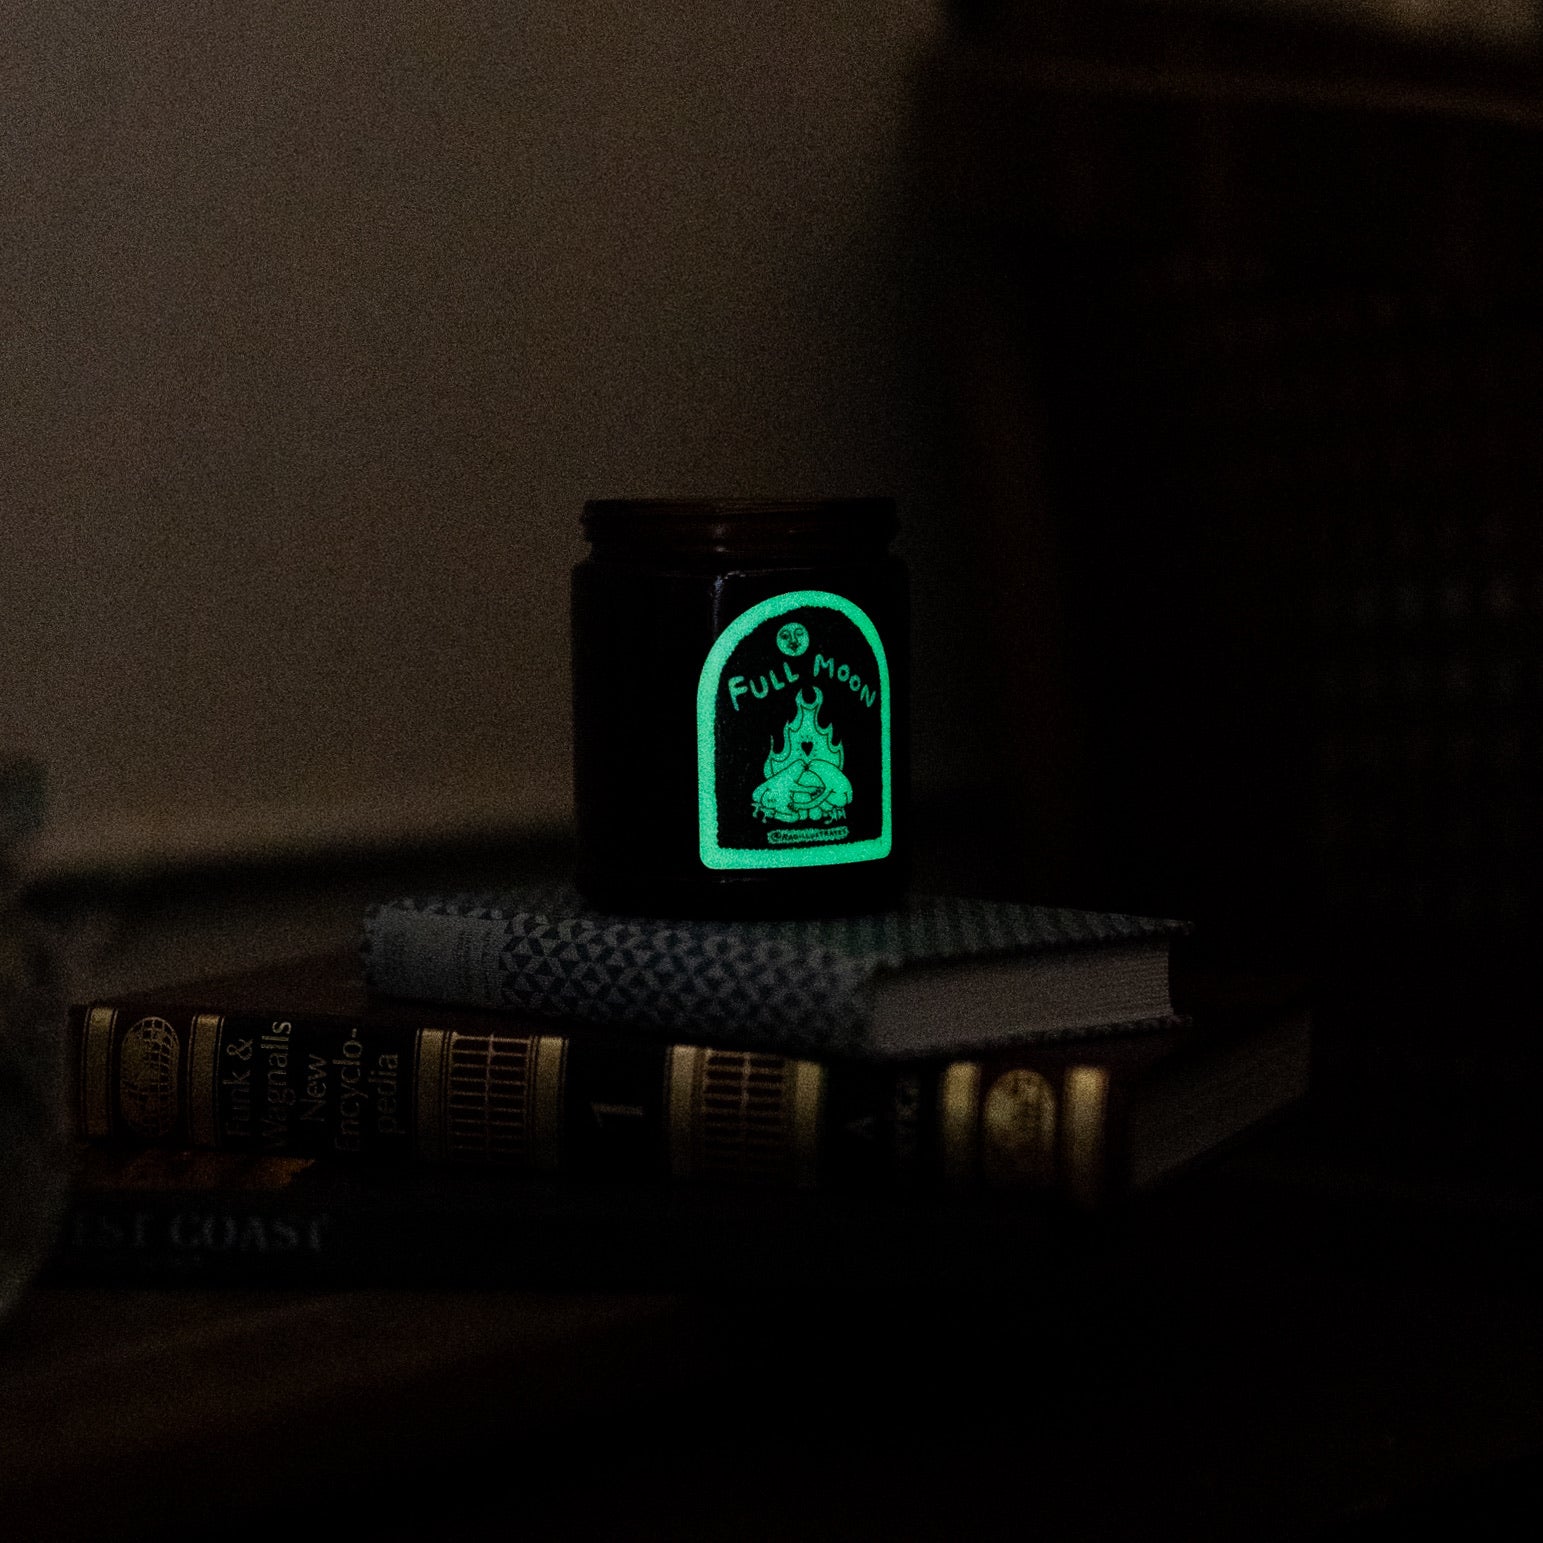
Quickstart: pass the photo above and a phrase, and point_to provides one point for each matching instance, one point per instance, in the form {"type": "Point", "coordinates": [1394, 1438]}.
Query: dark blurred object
{"type": "Point", "coordinates": [33, 1155]}
{"type": "Point", "coordinates": [1294, 31]}
{"type": "Point", "coordinates": [1242, 320]}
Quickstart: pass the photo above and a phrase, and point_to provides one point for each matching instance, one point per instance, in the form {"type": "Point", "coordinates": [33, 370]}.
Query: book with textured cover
{"type": "Point", "coordinates": [938, 975]}
{"type": "Point", "coordinates": [300, 1060]}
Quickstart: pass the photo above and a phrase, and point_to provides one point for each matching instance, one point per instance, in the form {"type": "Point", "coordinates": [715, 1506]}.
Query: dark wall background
{"type": "Point", "coordinates": [320, 323]}
{"type": "Point", "coordinates": [1196, 341]}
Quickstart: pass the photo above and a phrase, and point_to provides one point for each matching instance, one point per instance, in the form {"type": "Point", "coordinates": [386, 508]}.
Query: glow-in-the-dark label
{"type": "Point", "coordinates": [793, 737]}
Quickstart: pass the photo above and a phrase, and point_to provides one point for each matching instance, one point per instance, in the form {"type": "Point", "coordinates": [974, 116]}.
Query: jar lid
{"type": "Point", "coordinates": [730, 526]}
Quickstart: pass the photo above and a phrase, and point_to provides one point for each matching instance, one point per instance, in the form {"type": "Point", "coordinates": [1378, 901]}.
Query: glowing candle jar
{"type": "Point", "coordinates": [740, 706]}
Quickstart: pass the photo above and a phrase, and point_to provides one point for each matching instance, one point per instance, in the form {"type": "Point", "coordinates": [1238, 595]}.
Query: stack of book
{"type": "Point", "coordinates": [513, 1088]}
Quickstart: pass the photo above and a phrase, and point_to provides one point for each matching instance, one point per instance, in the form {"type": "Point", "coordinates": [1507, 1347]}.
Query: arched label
{"type": "Point", "coordinates": [793, 737]}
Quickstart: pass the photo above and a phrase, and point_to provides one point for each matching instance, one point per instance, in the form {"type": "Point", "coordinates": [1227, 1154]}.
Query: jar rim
{"type": "Point", "coordinates": [724, 524]}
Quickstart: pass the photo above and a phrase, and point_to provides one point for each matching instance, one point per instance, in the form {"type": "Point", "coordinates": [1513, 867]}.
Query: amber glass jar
{"type": "Point", "coordinates": [740, 707]}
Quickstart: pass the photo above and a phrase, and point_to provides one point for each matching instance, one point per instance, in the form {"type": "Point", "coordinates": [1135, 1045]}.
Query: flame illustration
{"type": "Point", "coordinates": [804, 779]}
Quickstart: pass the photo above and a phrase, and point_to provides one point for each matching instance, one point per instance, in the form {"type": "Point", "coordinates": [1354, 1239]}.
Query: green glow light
{"type": "Point", "coordinates": [804, 795]}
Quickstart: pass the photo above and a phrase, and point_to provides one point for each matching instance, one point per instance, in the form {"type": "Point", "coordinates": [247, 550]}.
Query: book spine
{"type": "Point", "coordinates": [194, 1236]}
{"type": "Point", "coordinates": [430, 957]}
{"type": "Point", "coordinates": [807, 1000]}
{"type": "Point", "coordinates": [591, 1104]}
{"type": "Point", "coordinates": [199, 1237]}
{"type": "Point", "coordinates": [322, 1236]}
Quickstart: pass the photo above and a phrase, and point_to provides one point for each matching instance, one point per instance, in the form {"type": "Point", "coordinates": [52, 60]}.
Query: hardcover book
{"type": "Point", "coordinates": [161, 1217]}
{"type": "Point", "coordinates": [936, 976]}
{"type": "Point", "coordinates": [301, 1061]}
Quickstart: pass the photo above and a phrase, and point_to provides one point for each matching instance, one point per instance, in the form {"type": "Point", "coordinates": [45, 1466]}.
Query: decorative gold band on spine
{"type": "Point", "coordinates": [959, 1121]}
{"type": "Point", "coordinates": [431, 1086]}
{"type": "Point", "coordinates": [488, 1093]}
{"type": "Point", "coordinates": [682, 1071]}
{"type": "Point", "coordinates": [1018, 1130]}
{"type": "Point", "coordinates": [744, 1115]}
{"type": "Point", "coordinates": [1086, 1098]}
{"type": "Point", "coordinates": [203, 1084]}
{"type": "Point", "coordinates": [808, 1079]}
{"type": "Point", "coordinates": [548, 1076]}
{"type": "Point", "coordinates": [95, 1061]}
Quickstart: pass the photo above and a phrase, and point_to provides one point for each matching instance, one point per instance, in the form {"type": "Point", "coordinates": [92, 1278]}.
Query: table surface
{"type": "Point", "coordinates": [1323, 1334]}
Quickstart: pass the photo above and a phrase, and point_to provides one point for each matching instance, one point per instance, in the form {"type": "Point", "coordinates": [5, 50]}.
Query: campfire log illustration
{"type": "Point", "coordinates": [804, 780]}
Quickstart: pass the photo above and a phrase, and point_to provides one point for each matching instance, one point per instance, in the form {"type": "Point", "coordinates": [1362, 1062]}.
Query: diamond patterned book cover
{"type": "Point", "coordinates": [934, 975]}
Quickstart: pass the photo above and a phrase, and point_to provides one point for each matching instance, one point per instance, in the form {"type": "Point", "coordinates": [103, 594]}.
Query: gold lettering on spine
{"type": "Point", "coordinates": [808, 1079]}
{"type": "Point", "coordinates": [203, 1085]}
{"type": "Point", "coordinates": [95, 1081]}
{"type": "Point", "coordinates": [550, 1053]}
{"type": "Point", "coordinates": [431, 1092]}
{"type": "Point", "coordinates": [1086, 1098]}
{"type": "Point", "coordinates": [959, 1120]}
{"type": "Point", "coordinates": [683, 1070]}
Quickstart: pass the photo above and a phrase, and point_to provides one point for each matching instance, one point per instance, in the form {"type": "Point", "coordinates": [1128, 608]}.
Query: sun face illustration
{"type": "Point", "coordinates": [793, 639]}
